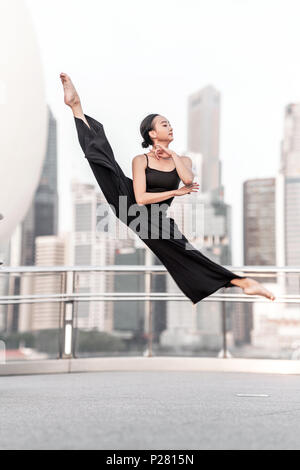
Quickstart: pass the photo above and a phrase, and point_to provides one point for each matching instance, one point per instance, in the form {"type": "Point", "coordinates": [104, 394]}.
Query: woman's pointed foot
{"type": "Point", "coordinates": [252, 287]}
{"type": "Point", "coordinates": [71, 96]}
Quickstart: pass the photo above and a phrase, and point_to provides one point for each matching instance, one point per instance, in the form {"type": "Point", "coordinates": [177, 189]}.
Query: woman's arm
{"type": "Point", "coordinates": [139, 184]}
{"type": "Point", "coordinates": [184, 168]}
{"type": "Point", "coordinates": [183, 164]}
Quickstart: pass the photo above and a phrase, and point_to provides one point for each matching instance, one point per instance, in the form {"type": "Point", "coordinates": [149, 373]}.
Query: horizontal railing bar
{"type": "Point", "coordinates": [142, 297]}
{"type": "Point", "coordinates": [138, 268]}
{"type": "Point", "coordinates": [70, 296]}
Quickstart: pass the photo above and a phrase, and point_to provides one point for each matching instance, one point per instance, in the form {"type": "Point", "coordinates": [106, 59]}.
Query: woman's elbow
{"type": "Point", "coordinates": [190, 180]}
{"type": "Point", "coordinates": [140, 200]}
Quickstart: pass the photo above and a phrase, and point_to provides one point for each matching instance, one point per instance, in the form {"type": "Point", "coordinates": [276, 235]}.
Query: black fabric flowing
{"type": "Point", "coordinates": [195, 274]}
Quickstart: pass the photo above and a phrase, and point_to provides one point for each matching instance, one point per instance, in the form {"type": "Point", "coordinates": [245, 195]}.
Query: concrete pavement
{"type": "Point", "coordinates": [150, 410]}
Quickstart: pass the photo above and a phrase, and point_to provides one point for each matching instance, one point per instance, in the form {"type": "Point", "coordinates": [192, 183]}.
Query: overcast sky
{"type": "Point", "coordinates": [131, 58]}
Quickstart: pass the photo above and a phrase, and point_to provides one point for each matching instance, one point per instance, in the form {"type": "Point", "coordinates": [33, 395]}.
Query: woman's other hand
{"type": "Point", "coordinates": [191, 188]}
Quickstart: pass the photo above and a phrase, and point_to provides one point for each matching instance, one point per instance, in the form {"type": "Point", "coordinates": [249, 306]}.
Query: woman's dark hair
{"type": "Point", "coordinates": [145, 127]}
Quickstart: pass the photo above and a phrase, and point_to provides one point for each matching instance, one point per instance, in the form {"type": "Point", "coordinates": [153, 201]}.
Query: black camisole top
{"type": "Point", "coordinates": [161, 180]}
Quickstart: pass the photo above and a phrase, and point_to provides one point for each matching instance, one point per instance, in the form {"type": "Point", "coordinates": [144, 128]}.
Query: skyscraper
{"type": "Point", "coordinates": [259, 248]}
{"type": "Point", "coordinates": [259, 222]}
{"type": "Point", "coordinates": [290, 168]}
{"type": "Point", "coordinates": [279, 327]}
{"type": "Point", "coordinates": [42, 216]}
{"type": "Point", "coordinates": [92, 245]}
{"type": "Point", "coordinates": [204, 134]}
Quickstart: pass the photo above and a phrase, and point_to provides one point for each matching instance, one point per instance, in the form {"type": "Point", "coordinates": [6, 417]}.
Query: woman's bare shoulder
{"type": "Point", "coordinates": [139, 159]}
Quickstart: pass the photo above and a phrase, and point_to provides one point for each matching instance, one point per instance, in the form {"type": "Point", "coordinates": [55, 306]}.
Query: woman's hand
{"type": "Point", "coordinates": [187, 189]}
{"type": "Point", "coordinates": [161, 149]}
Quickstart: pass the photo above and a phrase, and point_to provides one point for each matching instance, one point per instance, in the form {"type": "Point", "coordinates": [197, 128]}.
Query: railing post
{"type": "Point", "coordinates": [75, 315]}
{"type": "Point", "coordinates": [224, 329]}
{"type": "Point", "coordinates": [68, 316]}
{"type": "Point", "coordinates": [150, 332]}
{"type": "Point", "coordinates": [61, 315]}
{"type": "Point", "coordinates": [148, 305]}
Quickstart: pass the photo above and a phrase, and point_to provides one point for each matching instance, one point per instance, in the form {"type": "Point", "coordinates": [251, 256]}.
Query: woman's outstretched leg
{"type": "Point", "coordinates": [97, 150]}
{"type": "Point", "coordinates": [71, 97]}
{"type": "Point", "coordinates": [87, 127]}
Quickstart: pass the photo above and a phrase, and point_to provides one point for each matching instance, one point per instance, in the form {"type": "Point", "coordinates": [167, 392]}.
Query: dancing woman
{"type": "Point", "coordinates": [156, 177]}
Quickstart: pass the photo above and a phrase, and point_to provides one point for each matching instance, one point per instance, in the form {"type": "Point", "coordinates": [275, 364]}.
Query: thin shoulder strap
{"type": "Point", "coordinates": [147, 158]}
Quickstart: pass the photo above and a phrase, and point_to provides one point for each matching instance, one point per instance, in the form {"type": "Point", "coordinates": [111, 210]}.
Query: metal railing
{"type": "Point", "coordinates": [69, 296]}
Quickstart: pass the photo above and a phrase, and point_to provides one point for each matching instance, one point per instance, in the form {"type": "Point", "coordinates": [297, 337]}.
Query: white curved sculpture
{"type": "Point", "coordinates": [23, 114]}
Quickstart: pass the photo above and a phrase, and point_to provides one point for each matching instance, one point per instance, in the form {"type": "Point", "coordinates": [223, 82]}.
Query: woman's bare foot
{"type": "Point", "coordinates": [252, 287]}
{"type": "Point", "coordinates": [71, 97]}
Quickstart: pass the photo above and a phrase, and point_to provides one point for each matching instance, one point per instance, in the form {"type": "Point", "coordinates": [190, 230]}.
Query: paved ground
{"type": "Point", "coordinates": [150, 410]}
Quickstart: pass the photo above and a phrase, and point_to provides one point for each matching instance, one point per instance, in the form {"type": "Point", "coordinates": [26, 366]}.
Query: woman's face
{"type": "Point", "coordinates": [162, 130]}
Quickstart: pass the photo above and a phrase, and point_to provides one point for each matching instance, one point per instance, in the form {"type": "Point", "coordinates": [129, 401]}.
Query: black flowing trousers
{"type": "Point", "coordinates": [195, 274]}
